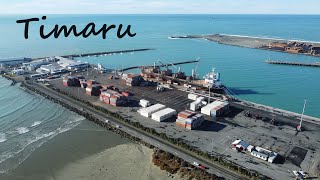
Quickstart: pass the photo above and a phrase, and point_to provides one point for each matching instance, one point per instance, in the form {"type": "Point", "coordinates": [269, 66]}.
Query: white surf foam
{"type": "Point", "coordinates": [2, 137]}
{"type": "Point", "coordinates": [22, 130]}
{"type": "Point", "coordinates": [33, 141]}
{"type": "Point", "coordinates": [36, 123]}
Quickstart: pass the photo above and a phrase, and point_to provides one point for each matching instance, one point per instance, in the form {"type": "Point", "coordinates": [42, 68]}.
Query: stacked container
{"type": "Point", "coordinates": [163, 114]}
{"type": "Point", "coordinates": [194, 121]}
{"type": "Point", "coordinates": [91, 82]}
{"type": "Point", "coordinates": [133, 80]}
{"type": "Point", "coordinates": [196, 104]}
{"type": "Point", "coordinates": [93, 90]}
{"type": "Point", "coordinates": [83, 83]}
{"type": "Point", "coordinates": [215, 108]}
{"type": "Point", "coordinates": [182, 116]}
{"type": "Point", "coordinates": [113, 98]}
{"type": "Point", "coordinates": [189, 119]}
{"type": "Point", "coordinates": [151, 109]}
{"type": "Point", "coordinates": [70, 81]}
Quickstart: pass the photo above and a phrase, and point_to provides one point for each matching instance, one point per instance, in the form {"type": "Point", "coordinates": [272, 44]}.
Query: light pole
{"type": "Point", "coordinates": [299, 128]}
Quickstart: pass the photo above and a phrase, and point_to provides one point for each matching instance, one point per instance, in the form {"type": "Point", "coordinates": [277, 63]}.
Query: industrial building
{"type": "Point", "coordinates": [70, 64]}
{"type": "Point", "coordinates": [33, 65]}
{"type": "Point", "coordinates": [14, 61]}
{"type": "Point", "coordinates": [239, 145]}
{"type": "Point", "coordinates": [18, 72]}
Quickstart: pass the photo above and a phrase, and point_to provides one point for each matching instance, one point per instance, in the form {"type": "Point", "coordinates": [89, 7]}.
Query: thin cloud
{"type": "Point", "coordinates": [159, 7]}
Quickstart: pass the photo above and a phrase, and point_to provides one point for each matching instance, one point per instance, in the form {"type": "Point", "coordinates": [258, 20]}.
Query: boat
{"type": "Point", "coordinates": [212, 79]}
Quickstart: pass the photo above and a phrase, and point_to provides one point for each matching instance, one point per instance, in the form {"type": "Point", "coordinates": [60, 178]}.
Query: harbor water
{"type": "Point", "coordinates": [243, 70]}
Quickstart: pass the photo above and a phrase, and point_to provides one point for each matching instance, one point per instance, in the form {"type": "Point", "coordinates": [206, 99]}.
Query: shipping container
{"type": "Point", "coordinates": [194, 106]}
{"type": "Point", "coordinates": [163, 114]}
{"type": "Point", "coordinates": [215, 108]}
{"type": "Point", "coordinates": [151, 109]}
{"type": "Point", "coordinates": [186, 114]}
{"type": "Point", "coordinates": [144, 103]}
{"type": "Point", "coordinates": [192, 96]}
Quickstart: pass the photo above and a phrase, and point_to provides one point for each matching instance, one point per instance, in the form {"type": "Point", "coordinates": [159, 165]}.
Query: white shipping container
{"type": "Point", "coordinates": [195, 105]}
{"type": "Point", "coordinates": [163, 114]}
{"type": "Point", "coordinates": [192, 96]}
{"type": "Point", "coordinates": [212, 108]}
{"type": "Point", "coordinates": [144, 103]}
{"type": "Point", "coordinates": [199, 99]}
{"type": "Point", "coordinates": [151, 109]}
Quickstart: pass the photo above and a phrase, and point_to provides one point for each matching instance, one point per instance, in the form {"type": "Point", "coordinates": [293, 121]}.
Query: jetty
{"type": "Point", "coordinates": [316, 64]}
{"type": "Point", "coordinates": [162, 65]}
{"type": "Point", "coordinates": [100, 53]}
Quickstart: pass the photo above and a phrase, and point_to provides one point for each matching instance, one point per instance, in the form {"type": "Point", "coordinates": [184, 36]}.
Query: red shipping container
{"type": "Point", "coordinates": [125, 94]}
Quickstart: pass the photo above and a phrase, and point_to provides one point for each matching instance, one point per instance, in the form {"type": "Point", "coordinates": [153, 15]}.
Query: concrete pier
{"type": "Point", "coordinates": [100, 53]}
{"type": "Point", "coordinates": [317, 64]}
{"type": "Point", "coordinates": [163, 65]}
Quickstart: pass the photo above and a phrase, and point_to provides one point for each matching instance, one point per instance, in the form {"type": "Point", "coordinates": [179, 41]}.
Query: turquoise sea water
{"type": "Point", "coordinates": [242, 70]}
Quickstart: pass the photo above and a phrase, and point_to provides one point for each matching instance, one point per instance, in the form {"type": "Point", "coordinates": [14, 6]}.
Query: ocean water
{"type": "Point", "coordinates": [27, 121]}
{"type": "Point", "coordinates": [242, 70]}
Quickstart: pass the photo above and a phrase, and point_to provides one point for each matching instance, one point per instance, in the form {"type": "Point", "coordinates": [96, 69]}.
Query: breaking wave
{"type": "Point", "coordinates": [36, 123]}
{"type": "Point", "coordinates": [2, 137]}
{"type": "Point", "coordinates": [22, 130]}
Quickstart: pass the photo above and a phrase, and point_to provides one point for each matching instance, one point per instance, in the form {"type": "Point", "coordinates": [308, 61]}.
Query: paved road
{"type": "Point", "coordinates": [147, 137]}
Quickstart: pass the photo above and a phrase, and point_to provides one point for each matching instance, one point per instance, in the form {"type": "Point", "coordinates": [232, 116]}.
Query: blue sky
{"type": "Point", "coordinates": [160, 7]}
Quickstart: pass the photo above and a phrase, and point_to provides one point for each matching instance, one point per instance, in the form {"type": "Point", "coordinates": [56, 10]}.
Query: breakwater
{"type": "Point", "coordinates": [100, 53]}
{"type": "Point", "coordinates": [163, 65]}
{"type": "Point", "coordinates": [293, 63]}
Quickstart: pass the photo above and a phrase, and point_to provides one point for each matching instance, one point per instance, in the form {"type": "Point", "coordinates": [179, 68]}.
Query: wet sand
{"type": "Point", "coordinates": [126, 161]}
{"type": "Point", "coordinates": [88, 152]}
{"type": "Point", "coordinates": [78, 143]}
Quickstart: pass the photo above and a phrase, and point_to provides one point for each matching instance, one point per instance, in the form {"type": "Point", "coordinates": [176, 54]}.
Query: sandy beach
{"type": "Point", "coordinates": [126, 161]}
{"type": "Point", "coordinates": [88, 151]}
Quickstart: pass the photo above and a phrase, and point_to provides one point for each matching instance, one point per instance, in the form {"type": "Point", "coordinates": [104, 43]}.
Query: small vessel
{"type": "Point", "coordinates": [212, 80]}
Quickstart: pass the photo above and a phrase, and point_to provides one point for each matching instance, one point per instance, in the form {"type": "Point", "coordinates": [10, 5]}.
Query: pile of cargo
{"type": "Point", "coordinates": [163, 114]}
{"type": "Point", "coordinates": [133, 80]}
{"type": "Point", "coordinates": [113, 98]}
{"type": "Point", "coordinates": [148, 111]}
{"type": "Point", "coordinates": [93, 90]}
{"type": "Point", "coordinates": [189, 120]}
{"type": "Point", "coordinates": [197, 104]}
{"type": "Point", "coordinates": [216, 108]}
{"type": "Point", "coordinates": [70, 81]}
